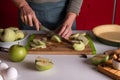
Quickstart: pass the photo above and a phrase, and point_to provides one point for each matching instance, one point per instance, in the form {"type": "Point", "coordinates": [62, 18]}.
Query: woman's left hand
{"type": "Point", "coordinates": [66, 27]}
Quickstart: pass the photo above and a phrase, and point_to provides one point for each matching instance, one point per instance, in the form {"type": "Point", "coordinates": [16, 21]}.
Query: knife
{"type": "Point", "coordinates": [43, 28]}
{"type": "Point", "coordinates": [2, 49]}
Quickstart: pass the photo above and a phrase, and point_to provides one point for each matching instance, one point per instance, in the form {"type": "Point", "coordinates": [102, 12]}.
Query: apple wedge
{"type": "Point", "coordinates": [100, 58]}
{"type": "Point", "coordinates": [56, 38]}
{"type": "Point", "coordinates": [79, 46]}
{"type": "Point", "coordinates": [42, 64]}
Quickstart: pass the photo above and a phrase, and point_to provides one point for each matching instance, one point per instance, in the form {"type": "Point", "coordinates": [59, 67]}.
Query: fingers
{"type": "Point", "coordinates": [25, 20]}
{"type": "Point", "coordinates": [67, 35]}
{"type": "Point", "coordinates": [36, 23]}
{"type": "Point", "coordinates": [30, 22]}
{"type": "Point", "coordinates": [22, 15]}
{"type": "Point", "coordinates": [66, 31]}
{"type": "Point", "coordinates": [62, 30]}
{"type": "Point", "coordinates": [28, 17]}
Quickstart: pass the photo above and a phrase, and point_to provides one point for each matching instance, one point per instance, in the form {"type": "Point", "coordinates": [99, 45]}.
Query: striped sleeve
{"type": "Point", "coordinates": [74, 6]}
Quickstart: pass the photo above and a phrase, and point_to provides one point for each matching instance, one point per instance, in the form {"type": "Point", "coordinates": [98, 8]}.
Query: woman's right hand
{"type": "Point", "coordinates": [28, 17]}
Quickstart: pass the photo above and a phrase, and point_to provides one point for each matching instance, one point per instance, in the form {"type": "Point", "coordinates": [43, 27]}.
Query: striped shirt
{"type": "Point", "coordinates": [74, 5]}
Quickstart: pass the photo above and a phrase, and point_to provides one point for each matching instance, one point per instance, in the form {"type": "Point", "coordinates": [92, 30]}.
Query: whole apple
{"type": "Point", "coordinates": [17, 53]}
{"type": "Point", "coordinates": [8, 35]}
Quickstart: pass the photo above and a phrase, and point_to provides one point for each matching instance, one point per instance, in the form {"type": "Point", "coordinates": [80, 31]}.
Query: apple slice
{"type": "Point", "coordinates": [74, 36]}
{"type": "Point", "coordinates": [37, 43]}
{"type": "Point", "coordinates": [83, 39]}
{"type": "Point", "coordinates": [42, 64]}
{"type": "Point", "coordinates": [79, 46]}
{"type": "Point", "coordinates": [100, 58]}
{"type": "Point", "coordinates": [56, 38]}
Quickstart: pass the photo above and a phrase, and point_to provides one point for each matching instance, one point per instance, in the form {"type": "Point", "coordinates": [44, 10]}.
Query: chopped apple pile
{"type": "Point", "coordinates": [80, 41]}
{"type": "Point", "coordinates": [79, 46]}
{"type": "Point", "coordinates": [11, 34]}
{"type": "Point", "coordinates": [42, 42]}
{"type": "Point", "coordinates": [37, 43]}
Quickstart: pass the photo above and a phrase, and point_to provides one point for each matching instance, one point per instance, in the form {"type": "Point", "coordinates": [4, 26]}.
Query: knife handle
{"type": "Point", "coordinates": [3, 49]}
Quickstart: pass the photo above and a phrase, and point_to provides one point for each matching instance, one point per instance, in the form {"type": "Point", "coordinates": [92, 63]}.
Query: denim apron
{"type": "Point", "coordinates": [50, 14]}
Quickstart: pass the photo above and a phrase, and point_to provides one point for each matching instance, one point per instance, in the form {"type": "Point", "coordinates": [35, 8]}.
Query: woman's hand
{"type": "Point", "coordinates": [66, 27]}
{"type": "Point", "coordinates": [28, 16]}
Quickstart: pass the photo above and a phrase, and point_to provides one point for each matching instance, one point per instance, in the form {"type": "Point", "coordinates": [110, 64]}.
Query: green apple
{"type": "Point", "coordinates": [13, 28]}
{"type": "Point", "coordinates": [37, 43]}
{"type": "Point", "coordinates": [1, 30]}
{"type": "Point", "coordinates": [100, 58]}
{"type": "Point", "coordinates": [83, 39]}
{"type": "Point", "coordinates": [8, 35]}
{"type": "Point", "coordinates": [74, 36]}
{"type": "Point", "coordinates": [42, 64]}
{"type": "Point", "coordinates": [56, 38]}
{"type": "Point", "coordinates": [17, 53]}
{"type": "Point", "coordinates": [79, 46]}
{"type": "Point", "coordinates": [19, 34]}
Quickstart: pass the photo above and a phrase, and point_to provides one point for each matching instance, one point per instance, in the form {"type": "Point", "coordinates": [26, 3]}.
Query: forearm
{"type": "Point", "coordinates": [71, 15]}
{"type": "Point", "coordinates": [20, 3]}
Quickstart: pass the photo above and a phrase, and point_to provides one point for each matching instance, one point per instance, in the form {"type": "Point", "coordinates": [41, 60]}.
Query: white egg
{"type": "Point", "coordinates": [1, 78]}
{"type": "Point", "coordinates": [10, 74]}
{"type": "Point", "coordinates": [3, 66]}
{"type": "Point", "coordinates": [0, 61]}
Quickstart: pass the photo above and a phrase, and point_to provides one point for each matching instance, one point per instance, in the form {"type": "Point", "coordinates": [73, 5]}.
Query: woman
{"type": "Point", "coordinates": [56, 15]}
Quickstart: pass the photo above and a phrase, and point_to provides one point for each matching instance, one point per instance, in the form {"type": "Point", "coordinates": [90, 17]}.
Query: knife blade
{"type": "Point", "coordinates": [43, 28]}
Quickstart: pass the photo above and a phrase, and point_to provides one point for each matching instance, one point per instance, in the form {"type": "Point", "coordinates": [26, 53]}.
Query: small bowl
{"type": "Point", "coordinates": [108, 34]}
{"type": "Point", "coordinates": [116, 64]}
{"type": "Point", "coordinates": [9, 44]}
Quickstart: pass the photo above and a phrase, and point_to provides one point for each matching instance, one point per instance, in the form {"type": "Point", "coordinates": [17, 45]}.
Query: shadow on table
{"type": "Point", "coordinates": [29, 65]}
{"type": "Point", "coordinates": [4, 56]}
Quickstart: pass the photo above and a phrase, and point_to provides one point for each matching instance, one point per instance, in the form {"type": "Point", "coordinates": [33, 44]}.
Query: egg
{"type": "Point", "coordinates": [10, 74]}
{"type": "Point", "coordinates": [3, 66]}
{"type": "Point", "coordinates": [1, 78]}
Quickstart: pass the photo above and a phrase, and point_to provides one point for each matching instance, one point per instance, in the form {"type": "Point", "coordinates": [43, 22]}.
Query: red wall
{"type": "Point", "coordinates": [93, 13]}
{"type": "Point", "coordinates": [8, 14]}
{"type": "Point", "coordinates": [117, 18]}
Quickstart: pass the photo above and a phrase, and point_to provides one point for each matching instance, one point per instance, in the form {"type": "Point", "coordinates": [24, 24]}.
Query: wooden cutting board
{"type": "Point", "coordinates": [108, 69]}
{"type": "Point", "coordinates": [59, 48]}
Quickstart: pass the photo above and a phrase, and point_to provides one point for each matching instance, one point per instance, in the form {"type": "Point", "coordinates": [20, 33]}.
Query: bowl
{"type": "Point", "coordinates": [21, 42]}
{"type": "Point", "coordinates": [116, 64]}
{"type": "Point", "coordinates": [108, 34]}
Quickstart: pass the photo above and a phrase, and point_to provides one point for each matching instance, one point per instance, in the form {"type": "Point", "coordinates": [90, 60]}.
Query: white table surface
{"type": "Point", "coordinates": [66, 67]}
